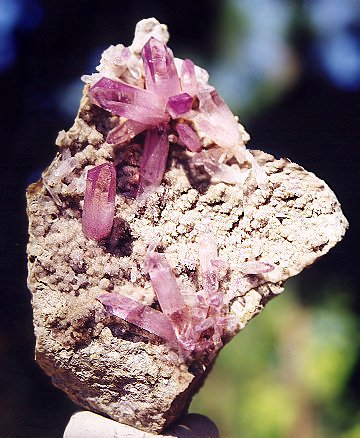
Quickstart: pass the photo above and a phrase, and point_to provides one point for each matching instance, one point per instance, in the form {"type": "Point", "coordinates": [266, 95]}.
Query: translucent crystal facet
{"type": "Point", "coordinates": [164, 283]}
{"type": "Point", "coordinates": [179, 105]}
{"type": "Point", "coordinates": [228, 174]}
{"type": "Point", "coordinates": [127, 101]}
{"type": "Point", "coordinates": [139, 314]}
{"type": "Point", "coordinates": [153, 161]}
{"type": "Point", "coordinates": [188, 78]}
{"type": "Point", "coordinates": [99, 201]}
{"type": "Point", "coordinates": [187, 137]}
{"type": "Point", "coordinates": [126, 131]}
{"type": "Point", "coordinates": [216, 120]}
{"type": "Point", "coordinates": [160, 71]}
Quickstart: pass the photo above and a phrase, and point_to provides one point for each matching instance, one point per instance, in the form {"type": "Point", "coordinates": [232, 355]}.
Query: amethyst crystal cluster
{"type": "Point", "coordinates": [195, 325]}
{"type": "Point", "coordinates": [170, 101]}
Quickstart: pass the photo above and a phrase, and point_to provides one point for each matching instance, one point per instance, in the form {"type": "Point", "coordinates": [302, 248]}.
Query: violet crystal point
{"type": "Point", "coordinates": [188, 78]}
{"type": "Point", "coordinates": [160, 71]}
{"type": "Point", "coordinates": [187, 137]}
{"type": "Point", "coordinates": [179, 105]}
{"type": "Point", "coordinates": [127, 101]}
{"type": "Point", "coordinates": [139, 314]}
{"type": "Point", "coordinates": [210, 269]}
{"type": "Point", "coordinates": [164, 283]}
{"type": "Point", "coordinates": [153, 161]}
{"type": "Point", "coordinates": [99, 201]}
{"type": "Point", "coordinates": [125, 132]}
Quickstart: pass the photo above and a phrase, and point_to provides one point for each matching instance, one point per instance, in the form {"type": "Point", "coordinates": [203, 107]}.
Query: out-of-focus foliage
{"type": "Point", "coordinates": [15, 15]}
{"type": "Point", "coordinates": [286, 374]}
{"type": "Point", "coordinates": [258, 59]}
{"type": "Point", "coordinates": [255, 61]}
{"type": "Point", "coordinates": [335, 25]}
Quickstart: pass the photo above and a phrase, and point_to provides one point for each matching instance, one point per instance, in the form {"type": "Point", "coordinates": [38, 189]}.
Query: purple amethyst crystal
{"type": "Point", "coordinates": [164, 284]}
{"type": "Point", "coordinates": [179, 105]}
{"type": "Point", "coordinates": [126, 131]}
{"type": "Point", "coordinates": [150, 109]}
{"type": "Point", "coordinates": [187, 137]}
{"type": "Point", "coordinates": [99, 202]}
{"type": "Point", "coordinates": [127, 101]}
{"type": "Point", "coordinates": [153, 162]}
{"type": "Point", "coordinates": [188, 78]}
{"type": "Point", "coordinates": [139, 314]}
{"type": "Point", "coordinates": [160, 71]}
{"type": "Point", "coordinates": [170, 94]}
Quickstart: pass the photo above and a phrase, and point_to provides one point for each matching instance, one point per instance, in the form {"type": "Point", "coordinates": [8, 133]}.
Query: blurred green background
{"type": "Point", "coordinates": [287, 374]}
{"type": "Point", "coordinates": [291, 70]}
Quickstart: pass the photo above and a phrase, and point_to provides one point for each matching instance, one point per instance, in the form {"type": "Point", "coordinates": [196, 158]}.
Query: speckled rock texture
{"type": "Point", "coordinates": [105, 364]}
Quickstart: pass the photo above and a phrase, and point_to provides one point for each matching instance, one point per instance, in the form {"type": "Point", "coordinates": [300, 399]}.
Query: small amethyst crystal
{"type": "Point", "coordinates": [99, 201]}
{"type": "Point", "coordinates": [153, 161]}
{"type": "Point", "coordinates": [139, 314]}
{"type": "Point", "coordinates": [179, 105]}
{"type": "Point", "coordinates": [161, 77]}
{"type": "Point", "coordinates": [156, 235]}
{"type": "Point", "coordinates": [187, 137]}
{"type": "Point", "coordinates": [188, 78]}
{"type": "Point", "coordinates": [124, 100]}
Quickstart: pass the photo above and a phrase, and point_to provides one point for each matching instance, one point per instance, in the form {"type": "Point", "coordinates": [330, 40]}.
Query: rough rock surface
{"type": "Point", "coordinates": [105, 364]}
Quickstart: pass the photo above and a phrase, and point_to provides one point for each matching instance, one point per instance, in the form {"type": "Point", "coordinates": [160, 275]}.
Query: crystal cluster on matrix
{"type": "Point", "coordinates": [169, 100]}
{"type": "Point", "coordinates": [196, 322]}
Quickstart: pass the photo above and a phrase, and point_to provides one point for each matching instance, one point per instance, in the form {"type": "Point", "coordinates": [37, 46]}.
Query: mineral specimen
{"type": "Point", "coordinates": [156, 235]}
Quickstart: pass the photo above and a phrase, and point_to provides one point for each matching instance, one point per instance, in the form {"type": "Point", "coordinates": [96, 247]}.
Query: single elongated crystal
{"type": "Point", "coordinates": [160, 71]}
{"type": "Point", "coordinates": [216, 120]}
{"type": "Point", "coordinates": [246, 282]}
{"type": "Point", "coordinates": [259, 173]}
{"type": "Point", "coordinates": [127, 101]}
{"type": "Point", "coordinates": [207, 251]}
{"type": "Point", "coordinates": [125, 132]}
{"type": "Point", "coordinates": [154, 157]}
{"type": "Point", "coordinates": [99, 201]}
{"type": "Point", "coordinates": [229, 174]}
{"type": "Point", "coordinates": [187, 137]}
{"type": "Point", "coordinates": [179, 104]}
{"type": "Point", "coordinates": [207, 257]}
{"type": "Point", "coordinates": [188, 78]}
{"type": "Point", "coordinates": [255, 268]}
{"type": "Point", "coordinates": [139, 314]}
{"type": "Point", "coordinates": [164, 284]}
